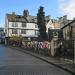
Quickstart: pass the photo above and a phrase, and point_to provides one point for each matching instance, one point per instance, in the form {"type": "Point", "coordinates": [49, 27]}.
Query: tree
{"type": "Point", "coordinates": [41, 24]}
{"type": "Point", "coordinates": [16, 40]}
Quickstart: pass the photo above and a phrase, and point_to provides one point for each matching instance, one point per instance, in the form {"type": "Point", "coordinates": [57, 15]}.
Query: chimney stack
{"type": "Point", "coordinates": [25, 13]}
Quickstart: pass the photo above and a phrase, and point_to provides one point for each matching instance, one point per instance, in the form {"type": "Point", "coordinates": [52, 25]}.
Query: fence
{"type": "Point", "coordinates": [37, 47]}
{"type": "Point", "coordinates": [45, 48]}
{"type": "Point", "coordinates": [69, 49]}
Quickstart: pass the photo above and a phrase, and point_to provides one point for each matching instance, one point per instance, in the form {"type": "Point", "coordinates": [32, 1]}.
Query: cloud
{"type": "Point", "coordinates": [67, 7]}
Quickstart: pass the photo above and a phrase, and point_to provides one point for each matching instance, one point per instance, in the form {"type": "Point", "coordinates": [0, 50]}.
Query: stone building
{"type": "Point", "coordinates": [63, 21]}
{"type": "Point", "coordinates": [69, 38]}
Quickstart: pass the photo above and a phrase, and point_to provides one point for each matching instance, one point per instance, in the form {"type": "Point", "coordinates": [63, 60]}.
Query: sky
{"type": "Point", "coordinates": [55, 8]}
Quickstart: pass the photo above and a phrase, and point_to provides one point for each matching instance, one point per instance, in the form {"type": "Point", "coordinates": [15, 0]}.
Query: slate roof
{"type": "Point", "coordinates": [20, 18]}
{"type": "Point", "coordinates": [69, 23]}
{"type": "Point", "coordinates": [16, 18]}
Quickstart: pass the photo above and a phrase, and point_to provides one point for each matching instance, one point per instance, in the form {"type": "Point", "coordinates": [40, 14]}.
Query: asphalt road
{"type": "Point", "coordinates": [13, 62]}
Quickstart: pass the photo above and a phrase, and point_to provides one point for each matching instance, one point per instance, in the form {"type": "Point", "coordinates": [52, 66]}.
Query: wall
{"type": "Point", "coordinates": [66, 33]}
{"type": "Point", "coordinates": [30, 29]}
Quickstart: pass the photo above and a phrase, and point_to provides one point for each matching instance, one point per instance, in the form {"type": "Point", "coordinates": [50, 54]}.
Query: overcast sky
{"type": "Point", "coordinates": [55, 8]}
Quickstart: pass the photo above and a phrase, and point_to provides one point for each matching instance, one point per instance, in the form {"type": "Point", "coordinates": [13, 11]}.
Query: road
{"type": "Point", "coordinates": [13, 62]}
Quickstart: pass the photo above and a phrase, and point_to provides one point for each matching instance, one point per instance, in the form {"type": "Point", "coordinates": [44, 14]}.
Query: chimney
{"type": "Point", "coordinates": [25, 13]}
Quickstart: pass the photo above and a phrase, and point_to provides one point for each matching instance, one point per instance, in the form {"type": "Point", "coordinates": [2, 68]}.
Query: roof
{"type": "Point", "coordinates": [20, 18]}
{"type": "Point", "coordinates": [68, 24]}
{"type": "Point", "coordinates": [16, 18]}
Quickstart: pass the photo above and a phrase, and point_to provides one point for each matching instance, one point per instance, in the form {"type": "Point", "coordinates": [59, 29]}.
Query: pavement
{"type": "Point", "coordinates": [62, 63]}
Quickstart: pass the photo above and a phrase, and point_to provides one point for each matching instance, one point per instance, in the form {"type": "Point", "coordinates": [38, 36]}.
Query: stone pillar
{"type": "Point", "coordinates": [52, 48]}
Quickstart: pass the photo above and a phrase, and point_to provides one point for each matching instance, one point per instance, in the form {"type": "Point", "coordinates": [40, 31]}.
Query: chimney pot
{"type": "Point", "coordinates": [25, 13]}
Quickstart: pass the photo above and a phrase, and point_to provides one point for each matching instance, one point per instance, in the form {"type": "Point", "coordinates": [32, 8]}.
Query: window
{"type": "Point", "coordinates": [23, 31]}
{"type": "Point", "coordinates": [14, 24]}
{"type": "Point", "coordinates": [23, 24]}
{"type": "Point", "coordinates": [36, 26]}
{"type": "Point", "coordinates": [14, 31]}
{"type": "Point", "coordinates": [36, 32]}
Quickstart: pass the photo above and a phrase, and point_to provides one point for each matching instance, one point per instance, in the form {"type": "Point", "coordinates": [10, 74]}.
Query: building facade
{"type": "Point", "coordinates": [69, 38]}
{"type": "Point", "coordinates": [69, 31]}
{"type": "Point", "coordinates": [63, 21]}
{"type": "Point", "coordinates": [22, 25]}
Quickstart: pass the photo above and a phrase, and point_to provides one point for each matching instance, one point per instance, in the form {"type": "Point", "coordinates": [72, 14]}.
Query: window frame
{"type": "Point", "coordinates": [36, 26]}
{"type": "Point", "coordinates": [14, 31]}
{"type": "Point", "coordinates": [24, 25]}
{"type": "Point", "coordinates": [14, 24]}
{"type": "Point", "coordinates": [23, 31]}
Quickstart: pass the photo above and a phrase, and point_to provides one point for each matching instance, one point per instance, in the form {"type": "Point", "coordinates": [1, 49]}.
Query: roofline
{"type": "Point", "coordinates": [22, 22]}
{"type": "Point", "coordinates": [68, 24]}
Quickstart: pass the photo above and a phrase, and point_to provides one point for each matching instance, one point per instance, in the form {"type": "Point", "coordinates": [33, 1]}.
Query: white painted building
{"type": "Point", "coordinates": [49, 25]}
{"type": "Point", "coordinates": [24, 25]}
{"type": "Point", "coordinates": [17, 29]}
